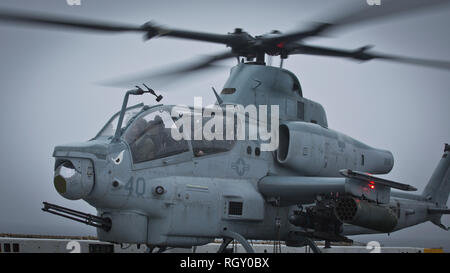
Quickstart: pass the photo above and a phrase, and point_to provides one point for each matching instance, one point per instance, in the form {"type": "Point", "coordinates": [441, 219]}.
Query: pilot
{"type": "Point", "coordinates": [136, 130]}
{"type": "Point", "coordinates": [150, 144]}
{"type": "Point", "coordinates": [199, 152]}
{"type": "Point", "coordinates": [156, 130]}
{"type": "Point", "coordinates": [140, 141]}
{"type": "Point", "coordinates": [145, 148]}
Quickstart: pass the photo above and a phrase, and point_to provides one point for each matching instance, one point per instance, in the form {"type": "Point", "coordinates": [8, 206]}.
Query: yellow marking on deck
{"type": "Point", "coordinates": [433, 250]}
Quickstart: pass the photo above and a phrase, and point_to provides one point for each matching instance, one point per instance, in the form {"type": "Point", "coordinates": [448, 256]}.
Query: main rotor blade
{"type": "Point", "coordinates": [151, 30]}
{"type": "Point", "coordinates": [362, 54]}
{"type": "Point", "coordinates": [226, 39]}
{"type": "Point", "coordinates": [63, 22]}
{"type": "Point", "coordinates": [387, 10]}
{"type": "Point", "coordinates": [171, 74]}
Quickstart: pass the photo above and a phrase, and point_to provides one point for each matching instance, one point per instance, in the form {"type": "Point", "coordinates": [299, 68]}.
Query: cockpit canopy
{"type": "Point", "coordinates": [109, 130]}
{"type": "Point", "coordinates": [149, 137]}
{"type": "Point", "coordinates": [148, 132]}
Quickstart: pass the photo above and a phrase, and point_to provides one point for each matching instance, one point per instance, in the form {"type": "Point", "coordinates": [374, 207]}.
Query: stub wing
{"type": "Point", "coordinates": [303, 190]}
{"type": "Point", "coordinates": [376, 180]}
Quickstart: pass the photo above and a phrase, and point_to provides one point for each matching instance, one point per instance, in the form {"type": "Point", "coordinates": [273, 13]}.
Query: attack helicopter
{"type": "Point", "coordinates": [316, 184]}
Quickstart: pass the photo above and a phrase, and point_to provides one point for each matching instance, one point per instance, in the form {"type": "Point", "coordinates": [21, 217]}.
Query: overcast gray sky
{"type": "Point", "coordinates": [49, 92]}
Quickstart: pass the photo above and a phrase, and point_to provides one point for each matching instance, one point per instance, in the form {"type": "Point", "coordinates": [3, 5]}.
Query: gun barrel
{"type": "Point", "coordinates": [82, 217]}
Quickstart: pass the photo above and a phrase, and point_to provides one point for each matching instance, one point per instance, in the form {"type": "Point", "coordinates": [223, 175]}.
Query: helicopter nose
{"type": "Point", "coordinates": [74, 179]}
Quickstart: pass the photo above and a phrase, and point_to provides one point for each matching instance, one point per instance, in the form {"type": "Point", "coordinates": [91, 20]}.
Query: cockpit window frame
{"type": "Point", "coordinates": [117, 114]}
{"type": "Point", "coordinates": [138, 115]}
{"type": "Point", "coordinates": [184, 156]}
{"type": "Point", "coordinates": [215, 153]}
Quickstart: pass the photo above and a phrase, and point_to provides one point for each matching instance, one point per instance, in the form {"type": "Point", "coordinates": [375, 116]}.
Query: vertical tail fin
{"type": "Point", "coordinates": [438, 188]}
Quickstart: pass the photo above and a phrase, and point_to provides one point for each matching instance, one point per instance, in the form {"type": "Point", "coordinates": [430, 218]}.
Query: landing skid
{"type": "Point", "coordinates": [229, 236]}
{"type": "Point", "coordinates": [151, 249]}
{"type": "Point", "coordinates": [312, 245]}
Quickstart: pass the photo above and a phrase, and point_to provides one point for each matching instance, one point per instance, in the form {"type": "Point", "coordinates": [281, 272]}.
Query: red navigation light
{"type": "Point", "coordinates": [372, 185]}
{"type": "Point", "coordinates": [281, 44]}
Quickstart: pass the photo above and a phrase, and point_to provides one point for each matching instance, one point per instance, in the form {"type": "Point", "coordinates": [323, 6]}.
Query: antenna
{"type": "Point", "coordinates": [151, 91]}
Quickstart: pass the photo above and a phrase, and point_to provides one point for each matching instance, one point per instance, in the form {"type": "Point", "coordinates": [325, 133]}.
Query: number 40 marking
{"type": "Point", "coordinates": [138, 188]}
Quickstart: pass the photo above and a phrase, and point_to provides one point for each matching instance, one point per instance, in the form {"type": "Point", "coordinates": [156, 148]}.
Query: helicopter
{"type": "Point", "coordinates": [314, 186]}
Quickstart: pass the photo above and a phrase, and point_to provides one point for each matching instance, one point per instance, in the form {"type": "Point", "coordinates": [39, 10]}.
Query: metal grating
{"type": "Point", "coordinates": [235, 208]}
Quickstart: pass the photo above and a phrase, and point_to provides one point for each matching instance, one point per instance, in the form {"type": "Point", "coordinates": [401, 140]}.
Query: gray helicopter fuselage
{"type": "Point", "coordinates": [182, 198]}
